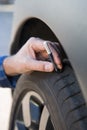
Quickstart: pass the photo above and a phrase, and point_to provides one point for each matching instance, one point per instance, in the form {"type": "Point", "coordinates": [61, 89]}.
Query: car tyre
{"type": "Point", "coordinates": [59, 102]}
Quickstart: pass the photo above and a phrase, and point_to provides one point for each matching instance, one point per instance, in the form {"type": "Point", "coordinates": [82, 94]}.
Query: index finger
{"type": "Point", "coordinates": [37, 44]}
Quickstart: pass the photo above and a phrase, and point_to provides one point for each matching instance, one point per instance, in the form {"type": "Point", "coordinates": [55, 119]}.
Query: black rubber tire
{"type": "Point", "coordinates": [61, 94]}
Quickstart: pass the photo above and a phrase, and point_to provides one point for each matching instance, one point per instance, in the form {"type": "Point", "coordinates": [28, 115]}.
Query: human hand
{"type": "Point", "coordinates": [31, 57]}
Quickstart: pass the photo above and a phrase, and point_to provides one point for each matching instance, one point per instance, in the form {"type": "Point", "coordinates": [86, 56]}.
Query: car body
{"type": "Point", "coordinates": [68, 21]}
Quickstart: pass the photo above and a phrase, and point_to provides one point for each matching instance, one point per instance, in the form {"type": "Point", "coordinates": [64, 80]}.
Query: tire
{"type": "Point", "coordinates": [58, 93]}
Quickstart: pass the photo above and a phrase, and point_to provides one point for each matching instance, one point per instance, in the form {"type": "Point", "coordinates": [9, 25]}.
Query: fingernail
{"type": "Point", "coordinates": [60, 66]}
{"type": "Point", "coordinates": [48, 67]}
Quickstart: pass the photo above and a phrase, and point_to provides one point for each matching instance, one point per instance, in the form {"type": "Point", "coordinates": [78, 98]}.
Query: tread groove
{"type": "Point", "coordinates": [68, 85]}
{"type": "Point", "coordinates": [70, 97]}
{"type": "Point", "coordinates": [61, 78]}
{"type": "Point", "coordinates": [80, 119]}
{"type": "Point", "coordinates": [76, 108]}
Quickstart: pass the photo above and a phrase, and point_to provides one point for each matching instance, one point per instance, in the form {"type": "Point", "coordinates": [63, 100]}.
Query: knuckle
{"type": "Point", "coordinates": [32, 39]}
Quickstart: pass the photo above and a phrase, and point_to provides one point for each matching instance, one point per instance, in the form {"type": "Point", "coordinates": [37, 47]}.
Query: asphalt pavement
{"type": "Point", "coordinates": [6, 18]}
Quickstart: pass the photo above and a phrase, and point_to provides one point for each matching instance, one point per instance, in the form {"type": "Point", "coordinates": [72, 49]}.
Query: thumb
{"type": "Point", "coordinates": [41, 66]}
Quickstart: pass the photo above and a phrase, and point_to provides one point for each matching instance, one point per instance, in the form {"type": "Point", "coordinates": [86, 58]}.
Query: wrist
{"type": "Point", "coordinates": [9, 66]}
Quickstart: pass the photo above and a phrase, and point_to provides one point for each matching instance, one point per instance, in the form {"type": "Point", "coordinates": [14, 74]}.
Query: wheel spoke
{"type": "Point", "coordinates": [44, 119]}
{"type": "Point", "coordinates": [26, 110]}
{"type": "Point", "coordinates": [26, 107]}
{"type": "Point", "coordinates": [19, 125]}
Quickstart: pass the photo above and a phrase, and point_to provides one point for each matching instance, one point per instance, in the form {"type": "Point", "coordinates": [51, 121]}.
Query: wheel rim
{"type": "Point", "coordinates": [32, 114]}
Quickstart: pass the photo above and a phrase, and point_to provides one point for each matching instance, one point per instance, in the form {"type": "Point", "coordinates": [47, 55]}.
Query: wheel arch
{"type": "Point", "coordinates": [33, 27]}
